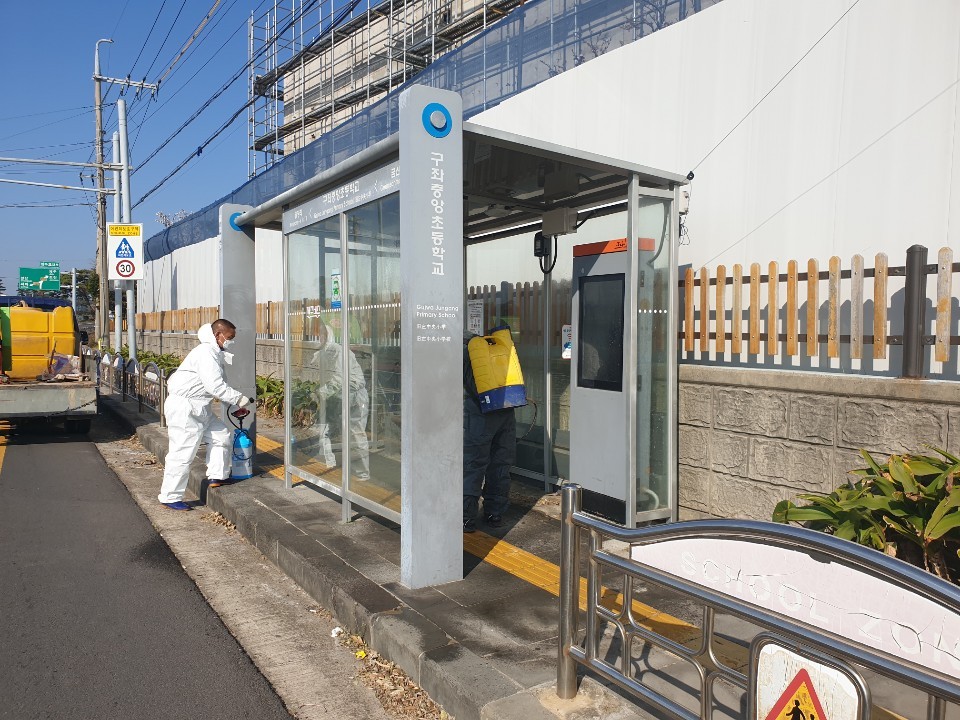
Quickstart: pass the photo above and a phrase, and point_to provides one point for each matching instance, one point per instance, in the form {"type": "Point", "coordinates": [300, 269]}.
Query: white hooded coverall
{"type": "Point", "coordinates": [191, 389]}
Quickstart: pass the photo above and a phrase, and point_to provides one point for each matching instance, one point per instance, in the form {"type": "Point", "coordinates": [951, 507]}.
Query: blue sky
{"type": "Point", "coordinates": [48, 52]}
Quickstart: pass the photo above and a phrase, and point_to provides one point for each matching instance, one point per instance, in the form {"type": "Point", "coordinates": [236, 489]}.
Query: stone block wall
{"type": "Point", "coordinates": [750, 438]}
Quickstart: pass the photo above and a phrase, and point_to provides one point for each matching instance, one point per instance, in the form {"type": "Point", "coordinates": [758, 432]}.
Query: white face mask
{"type": "Point", "coordinates": [227, 344]}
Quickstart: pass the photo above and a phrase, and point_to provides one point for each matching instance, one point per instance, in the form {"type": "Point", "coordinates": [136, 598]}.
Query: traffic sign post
{"type": "Point", "coordinates": [125, 251]}
{"type": "Point", "coordinates": [42, 278]}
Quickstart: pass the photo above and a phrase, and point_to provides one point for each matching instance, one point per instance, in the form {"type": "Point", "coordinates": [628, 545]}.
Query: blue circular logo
{"type": "Point", "coordinates": [437, 120]}
{"type": "Point", "coordinates": [233, 222]}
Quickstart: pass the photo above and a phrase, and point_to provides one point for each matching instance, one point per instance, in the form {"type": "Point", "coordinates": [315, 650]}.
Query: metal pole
{"type": "Point", "coordinates": [915, 295]}
{"type": "Point", "coordinates": [547, 348]}
{"type": "Point", "coordinates": [73, 292]}
{"type": "Point", "coordinates": [570, 495]}
{"type": "Point", "coordinates": [103, 329]}
{"type": "Point", "coordinates": [117, 200]}
{"type": "Point", "coordinates": [125, 187]}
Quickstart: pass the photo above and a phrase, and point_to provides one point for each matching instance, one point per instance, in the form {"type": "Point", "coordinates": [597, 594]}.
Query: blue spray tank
{"type": "Point", "coordinates": [241, 463]}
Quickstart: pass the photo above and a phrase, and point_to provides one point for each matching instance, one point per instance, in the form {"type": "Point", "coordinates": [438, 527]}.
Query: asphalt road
{"type": "Point", "coordinates": [97, 617]}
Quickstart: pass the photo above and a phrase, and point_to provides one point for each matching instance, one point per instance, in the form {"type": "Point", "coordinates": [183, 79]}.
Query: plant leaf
{"type": "Point", "coordinates": [803, 514]}
{"type": "Point", "coordinates": [872, 463]}
{"type": "Point", "coordinates": [902, 474]}
{"type": "Point", "coordinates": [952, 458]}
{"type": "Point", "coordinates": [937, 530]}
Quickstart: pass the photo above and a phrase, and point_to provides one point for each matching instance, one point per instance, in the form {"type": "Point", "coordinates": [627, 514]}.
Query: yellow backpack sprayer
{"type": "Point", "coordinates": [496, 370]}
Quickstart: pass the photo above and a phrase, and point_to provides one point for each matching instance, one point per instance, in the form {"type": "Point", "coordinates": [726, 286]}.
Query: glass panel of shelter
{"type": "Point", "coordinates": [314, 267]}
{"type": "Point", "coordinates": [344, 350]}
{"type": "Point", "coordinates": [656, 359]}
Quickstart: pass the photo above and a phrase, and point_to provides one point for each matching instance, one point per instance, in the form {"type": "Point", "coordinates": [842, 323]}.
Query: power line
{"type": "Point", "coordinates": [190, 41]}
{"type": "Point", "coordinates": [143, 47]}
{"type": "Point", "coordinates": [46, 112]}
{"type": "Point", "coordinates": [776, 85]}
{"type": "Point", "coordinates": [840, 167]}
{"type": "Point", "coordinates": [23, 206]}
{"type": "Point", "coordinates": [166, 37]}
{"type": "Point", "coordinates": [206, 104]}
{"type": "Point", "coordinates": [192, 155]}
{"type": "Point", "coordinates": [40, 127]}
{"type": "Point", "coordinates": [197, 72]}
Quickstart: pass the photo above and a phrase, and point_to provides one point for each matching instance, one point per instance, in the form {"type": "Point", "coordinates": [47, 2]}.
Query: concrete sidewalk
{"type": "Point", "coordinates": [484, 647]}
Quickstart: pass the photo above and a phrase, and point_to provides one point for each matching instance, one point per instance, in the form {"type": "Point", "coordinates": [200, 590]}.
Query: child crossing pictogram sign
{"type": "Point", "coordinates": [799, 701]}
{"type": "Point", "coordinates": [793, 683]}
{"type": "Point", "coordinates": [124, 250]}
{"type": "Point", "coordinates": [125, 246]}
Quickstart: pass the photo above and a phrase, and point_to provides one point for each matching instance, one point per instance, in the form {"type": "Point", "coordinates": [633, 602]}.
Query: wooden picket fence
{"type": "Point", "coordinates": [185, 320]}
{"type": "Point", "coordinates": [521, 305]}
{"type": "Point", "coordinates": [715, 317]}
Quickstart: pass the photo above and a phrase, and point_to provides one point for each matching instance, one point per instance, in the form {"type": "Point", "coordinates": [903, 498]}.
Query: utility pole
{"type": "Point", "coordinates": [103, 327]}
{"type": "Point", "coordinates": [127, 212]}
{"type": "Point", "coordinates": [117, 291]}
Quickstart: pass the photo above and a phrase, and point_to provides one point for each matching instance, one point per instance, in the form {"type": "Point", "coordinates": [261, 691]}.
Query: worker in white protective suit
{"type": "Point", "coordinates": [190, 390]}
{"type": "Point", "coordinates": [328, 362]}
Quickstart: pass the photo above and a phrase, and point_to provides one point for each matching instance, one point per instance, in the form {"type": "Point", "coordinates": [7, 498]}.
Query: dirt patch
{"type": "Point", "coordinates": [398, 694]}
{"type": "Point", "coordinates": [218, 519]}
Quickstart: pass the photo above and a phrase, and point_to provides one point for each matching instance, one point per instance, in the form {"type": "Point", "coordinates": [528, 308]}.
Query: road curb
{"type": "Point", "coordinates": [462, 682]}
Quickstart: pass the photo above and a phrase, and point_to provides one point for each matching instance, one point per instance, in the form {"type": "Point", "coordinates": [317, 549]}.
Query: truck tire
{"type": "Point", "coordinates": [77, 426]}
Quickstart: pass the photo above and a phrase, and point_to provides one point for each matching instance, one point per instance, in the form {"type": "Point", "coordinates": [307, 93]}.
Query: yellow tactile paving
{"type": "Point", "coordinates": [537, 571]}
{"type": "Point", "coordinates": [274, 451]}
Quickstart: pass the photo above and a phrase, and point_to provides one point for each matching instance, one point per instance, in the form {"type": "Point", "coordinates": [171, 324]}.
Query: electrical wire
{"type": "Point", "coordinates": [45, 112]}
{"type": "Point", "coordinates": [40, 127]}
{"type": "Point", "coordinates": [775, 86]}
{"type": "Point", "coordinates": [27, 206]}
{"type": "Point", "coordinates": [189, 42]}
{"type": "Point", "coordinates": [165, 38]}
{"type": "Point", "coordinates": [840, 167]}
{"type": "Point", "coordinates": [167, 99]}
{"type": "Point", "coordinates": [197, 153]}
{"type": "Point", "coordinates": [206, 104]}
{"type": "Point", "coordinates": [149, 34]}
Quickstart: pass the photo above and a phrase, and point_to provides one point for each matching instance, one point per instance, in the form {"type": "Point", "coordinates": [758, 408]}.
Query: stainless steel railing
{"type": "Point", "coordinates": [147, 384]}
{"type": "Point", "coordinates": [618, 664]}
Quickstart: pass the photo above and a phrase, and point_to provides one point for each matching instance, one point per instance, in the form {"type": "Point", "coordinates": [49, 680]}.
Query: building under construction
{"type": "Point", "coordinates": [314, 63]}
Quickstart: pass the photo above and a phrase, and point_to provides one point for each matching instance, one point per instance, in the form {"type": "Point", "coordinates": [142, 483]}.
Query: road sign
{"type": "Point", "coordinates": [39, 279]}
{"type": "Point", "coordinates": [125, 251]}
{"type": "Point", "coordinates": [795, 686]}
{"type": "Point", "coordinates": [50, 265]}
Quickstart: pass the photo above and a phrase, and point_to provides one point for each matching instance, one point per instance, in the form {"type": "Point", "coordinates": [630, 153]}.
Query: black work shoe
{"type": "Point", "coordinates": [470, 525]}
{"type": "Point", "coordinates": [494, 520]}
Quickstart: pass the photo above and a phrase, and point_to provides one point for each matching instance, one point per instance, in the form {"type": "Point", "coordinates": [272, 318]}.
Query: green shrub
{"type": "Point", "coordinates": [270, 395]}
{"type": "Point", "coordinates": [909, 507]}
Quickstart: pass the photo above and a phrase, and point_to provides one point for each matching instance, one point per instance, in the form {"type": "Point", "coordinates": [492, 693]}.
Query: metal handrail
{"type": "Point", "coordinates": [938, 688]}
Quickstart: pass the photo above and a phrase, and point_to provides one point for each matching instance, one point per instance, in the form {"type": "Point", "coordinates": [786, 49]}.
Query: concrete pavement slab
{"type": "Point", "coordinates": [488, 641]}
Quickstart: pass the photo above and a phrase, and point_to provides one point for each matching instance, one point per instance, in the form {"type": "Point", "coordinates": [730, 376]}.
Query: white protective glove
{"type": "Point", "coordinates": [244, 401]}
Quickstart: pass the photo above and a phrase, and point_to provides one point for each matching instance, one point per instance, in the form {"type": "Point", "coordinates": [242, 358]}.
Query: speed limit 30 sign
{"type": "Point", "coordinates": [125, 251]}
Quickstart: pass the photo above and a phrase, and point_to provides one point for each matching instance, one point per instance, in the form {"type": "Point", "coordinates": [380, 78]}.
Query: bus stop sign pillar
{"type": "Point", "coordinates": [431, 336]}
{"type": "Point", "coordinates": [238, 302]}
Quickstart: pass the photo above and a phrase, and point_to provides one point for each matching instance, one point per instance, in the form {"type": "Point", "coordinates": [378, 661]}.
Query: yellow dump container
{"type": "Point", "coordinates": [35, 335]}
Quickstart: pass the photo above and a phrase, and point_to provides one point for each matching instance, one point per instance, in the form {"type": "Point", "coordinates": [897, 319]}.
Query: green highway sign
{"type": "Point", "coordinates": [45, 278]}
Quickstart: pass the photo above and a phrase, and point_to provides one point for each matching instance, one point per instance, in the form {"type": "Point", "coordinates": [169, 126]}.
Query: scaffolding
{"type": "Point", "coordinates": [315, 63]}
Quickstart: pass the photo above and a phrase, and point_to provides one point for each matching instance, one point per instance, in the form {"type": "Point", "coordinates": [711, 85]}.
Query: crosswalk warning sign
{"type": "Point", "coordinates": [799, 701]}
{"type": "Point", "coordinates": [124, 250]}
{"type": "Point", "coordinates": [795, 683]}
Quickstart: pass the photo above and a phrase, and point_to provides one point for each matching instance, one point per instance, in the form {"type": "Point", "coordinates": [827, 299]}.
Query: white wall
{"type": "Point", "coordinates": [186, 278]}
{"type": "Point", "coordinates": [197, 275]}
{"type": "Point", "coordinates": [854, 152]}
